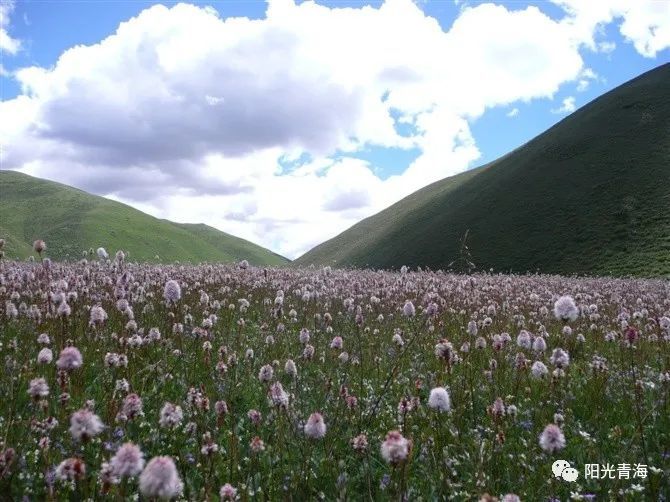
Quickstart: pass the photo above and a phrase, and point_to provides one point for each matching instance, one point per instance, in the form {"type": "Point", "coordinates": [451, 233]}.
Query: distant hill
{"type": "Point", "coordinates": [591, 195]}
{"type": "Point", "coordinates": [72, 221]}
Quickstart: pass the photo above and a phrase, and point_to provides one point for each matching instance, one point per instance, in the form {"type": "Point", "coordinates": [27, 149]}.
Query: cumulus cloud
{"type": "Point", "coordinates": [567, 106]}
{"type": "Point", "coordinates": [253, 126]}
{"type": "Point", "coordinates": [644, 23]}
{"type": "Point", "coordinates": [647, 26]}
{"type": "Point", "coordinates": [513, 112]}
{"type": "Point", "coordinates": [586, 76]}
{"type": "Point", "coordinates": [606, 47]}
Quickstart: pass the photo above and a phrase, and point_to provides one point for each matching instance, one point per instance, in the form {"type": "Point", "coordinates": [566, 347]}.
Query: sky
{"type": "Point", "coordinates": [286, 122]}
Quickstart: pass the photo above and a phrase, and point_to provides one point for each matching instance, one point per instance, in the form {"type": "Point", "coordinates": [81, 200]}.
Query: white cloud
{"type": "Point", "coordinates": [606, 47]}
{"type": "Point", "coordinates": [567, 106]}
{"type": "Point", "coordinates": [513, 112]}
{"type": "Point", "coordinates": [644, 23]}
{"type": "Point", "coordinates": [195, 118]}
{"type": "Point", "coordinates": [647, 25]}
{"type": "Point", "coordinates": [586, 76]}
{"type": "Point", "coordinates": [7, 43]}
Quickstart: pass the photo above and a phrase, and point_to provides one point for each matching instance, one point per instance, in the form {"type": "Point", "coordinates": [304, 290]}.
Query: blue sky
{"type": "Point", "coordinates": [379, 140]}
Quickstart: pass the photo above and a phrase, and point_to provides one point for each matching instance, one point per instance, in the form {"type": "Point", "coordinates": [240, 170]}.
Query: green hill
{"type": "Point", "coordinates": [71, 221]}
{"type": "Point", "coordinates": [591, 195]}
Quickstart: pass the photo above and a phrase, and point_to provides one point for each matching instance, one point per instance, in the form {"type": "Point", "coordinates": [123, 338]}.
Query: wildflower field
{"type": "Point", "coordinates": [228, 382]}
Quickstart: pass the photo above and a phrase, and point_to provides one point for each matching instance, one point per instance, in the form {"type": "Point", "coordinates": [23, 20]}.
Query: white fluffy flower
{"type": "Point", "coordinates": [539, 369]}
{"type": "Point", "coordinates": [565, 309]}
{"type": "Point", "coordinates": [38, 388]}
{"type": "Point", "coordinates": [69, 359]}
{"type": "Point", "coordinates": [45, 356]}
{"type": "Point", "coordinates": [97, 315]}
{"type": "Point", "coordinates": [172, 291]}
{"type": "Point", "coordinates": [524, 340]}
{"type": "Point", "coordinates": [552, 438]}
{"type": "Point", "coordinates": [290, 368]}
{"type": "Point", "coordinates": [171, 416]}
{"type": "Point", "coordinates": [560, 358]}
{"type": "Point", "coordinates": [315, 427]}
{"type": "Point", "coordinates": [265, 374]}
{"type": "Point", "coordinates": [160, 479]}
{"type": "Point", "coordinates": [84, 424]}
{"type": "Point", "coordinates": [539, 344]}
{"type": "Point", "coordinates": [439, 399]}
{"type": "Point", "coordinates": [128, 461]}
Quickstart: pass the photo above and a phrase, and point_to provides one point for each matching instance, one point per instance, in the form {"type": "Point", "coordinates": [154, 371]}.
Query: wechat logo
{"type": "Point", "coordinates": [563, 469]}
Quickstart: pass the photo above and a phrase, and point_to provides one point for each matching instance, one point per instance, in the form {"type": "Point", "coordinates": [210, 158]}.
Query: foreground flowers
{"type": "Point", "coordinates": [203, 382]}
{"type": "Point", "coordinates": [439, 399]}
{"type": "Point", "coordinates": [128, 461]}
{"type": "Point", "coordinates": [160, 479]}
{"type": "Point", "coordinates": [84, 425]}
{"type": "Point", "coordinates": [552, 439]}
{"type": "Point", "coordinates": [315, 428]}
{"type": "Point", "coordinates": [395, 448]}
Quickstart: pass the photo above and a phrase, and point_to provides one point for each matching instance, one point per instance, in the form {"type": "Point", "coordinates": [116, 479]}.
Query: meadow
{"type": "Point", "coordinates": [231, 382]}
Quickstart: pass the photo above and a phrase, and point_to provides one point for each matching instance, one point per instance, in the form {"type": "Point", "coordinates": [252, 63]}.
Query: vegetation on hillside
{"type": "Point", "coordinates": [589, 196]}
{"type": "Point", "coordinates": [72, 221]}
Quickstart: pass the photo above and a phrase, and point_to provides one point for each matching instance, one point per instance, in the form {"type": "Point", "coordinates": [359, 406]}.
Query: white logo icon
{"type": "Point", "coordinates": [562, 469]}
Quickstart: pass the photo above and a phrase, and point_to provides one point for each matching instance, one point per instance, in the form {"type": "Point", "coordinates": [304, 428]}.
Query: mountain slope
{"type": "Point", "coordinates": [71, 221]}
{"type": "Point", "coordinates": [590, 195]}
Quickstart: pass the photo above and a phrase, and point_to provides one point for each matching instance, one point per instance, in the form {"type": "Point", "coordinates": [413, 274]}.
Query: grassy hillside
{"type": "Point", "coordinates": [590, 195]}
{"type": "Point", "coordinates": [71, 221]}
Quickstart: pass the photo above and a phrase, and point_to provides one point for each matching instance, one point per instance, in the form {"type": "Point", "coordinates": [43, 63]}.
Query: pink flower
{"type": "Point", "coordinates": [255, 416]}
{"type": "Point", "coordinates": [71, 469]}
{"type": "Point", "coordinates": [560, 358]}
{"type": "Point", "coordinates": [98, 315]}
{"type": "Point", "coordinates": [552, 438]}
{"type": "Point", "coordinates": [160, 479]}
{"type": "Point", "coordinates": [39, 246]}
{"type": "Point", "coordinates": [132, 406]}
{"type": "Point", "coordinates": [257, 445]}
{"type": "Point", "coordinates": [172, 291]}
{"type": "Point", "coordinates": [221, 408]}
{"type": "Point", "coordinates": [278, 395]}
{"type": "Point", "coordinates": [228, 492]}
{"type": "Point", "coordinates": [290, 368]}
{"type": "Point", "coordinates": [69, 359]}
{"type": "Point", "coordinates": [64, 310]}
{"type": "Point", "coordinates": [38, 388]}
{"type": "Point", "coordinates": [84, 424]}
{"type": "Point", "coordinates": [395, 448]}
{"type": "Point", "coordinates": [360, 443]}
{"type": "Point", "coordinates": [45, 356]}
{"type": "Point", "coordinates": [539, 370]}
{"type": "Point", "coordinates": [315, 428]}
{"type": "Point", "coordinates": [128, 461]}
{"type": "Point", "coordinates": [266, 373]}
{"type": "Point", "coordinates": [171, 416]}
{"type": "Point", "coordinates": [304, 336]}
